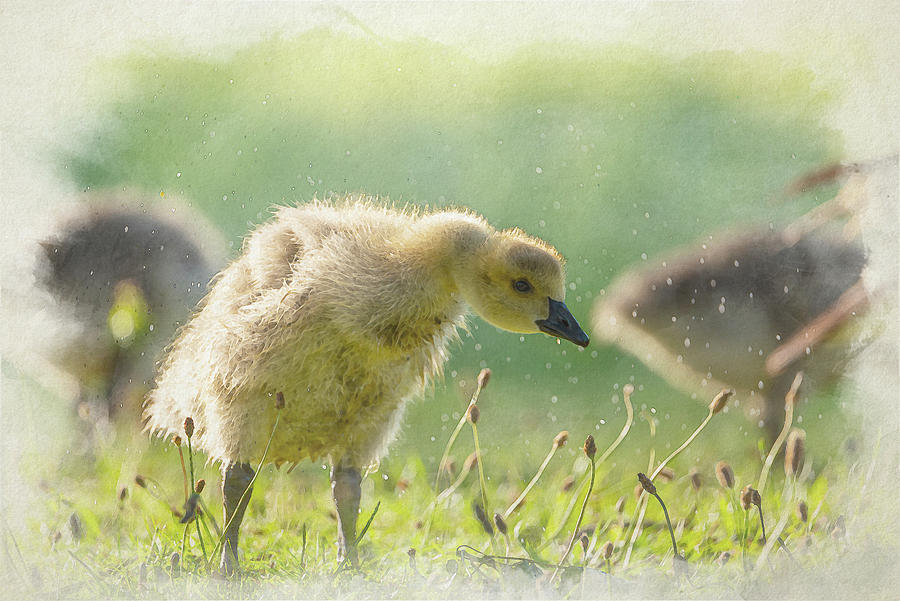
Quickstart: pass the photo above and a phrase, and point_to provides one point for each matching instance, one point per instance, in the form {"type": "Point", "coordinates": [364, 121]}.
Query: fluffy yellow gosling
{"type": "Point", "coordinates": [347, 308]}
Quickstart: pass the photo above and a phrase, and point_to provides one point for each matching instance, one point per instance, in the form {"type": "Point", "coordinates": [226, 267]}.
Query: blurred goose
{"type": "Point", "coordinates": [346, 308]}
{"type": "Point", "coordinates": [750, 308]}
{"type": "Point", "coordinates": [118, 279]}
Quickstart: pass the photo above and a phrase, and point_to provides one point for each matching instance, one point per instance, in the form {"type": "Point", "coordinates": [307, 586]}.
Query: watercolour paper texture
{"type": "Point", "coordinates": [620, 132]}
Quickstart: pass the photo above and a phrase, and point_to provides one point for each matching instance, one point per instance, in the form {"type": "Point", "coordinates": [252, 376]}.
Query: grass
{"type": "Point", "coordinates": [87, 538]}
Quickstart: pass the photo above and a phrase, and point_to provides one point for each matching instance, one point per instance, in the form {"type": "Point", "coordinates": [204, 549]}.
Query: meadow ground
{"type": "Point", "coordinates": [104, 522]}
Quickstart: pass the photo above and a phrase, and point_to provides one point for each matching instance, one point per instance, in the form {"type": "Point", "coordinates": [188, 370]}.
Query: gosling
{"type": "Point", "coordinates": [346, 308]}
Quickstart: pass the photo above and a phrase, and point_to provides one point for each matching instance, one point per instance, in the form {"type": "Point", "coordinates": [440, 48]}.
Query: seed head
{"type": "Point", "coordinates": [500, 523]}
{"type": "Point", "coordinates": [794, 452]}
{"type": "Point", "coordinates": [471, 461]}
{"type": "Point", "coordinates": [840, 528]}
{"type": "Point", "coordinates": [755, 497]}
{"type": "Point", "coordinates": [484, 376]}
{"type": "Point", "coordinates": [590, 447]}
{"type": "Point", "coordinates": [802, 511]}
{"type": "Point", "coordinates": [585, 541]}
{"type": "Point", "coordinates": [746, 495]}
{"type": "Point", "coordinates": [76, 526]}
{"type": "Point", "coordinates": [606, 550]}
{"type": "Point", "coordinates": [123, 493]}
{"type": "Point", "coordinates": [472, 414]}
{"type": "Point", "coordinates": [568, 483]}
{"type": "Point", "coordinates": [176, 440]}
{"type": "Point", "coordinates": [175, 563]}
{"type": "Point", "coordinates": [481, 516]}
{"type": "Point", "coordinates": [189, 426]}
{"type": "Point", "coordinates": [139, 480]}
{"type": "Point", "coordinates": [720, 400]}
{"type": "Point", "coordinates": [725, 474]}
{"type": "Point", "coordinates": [723, 558]}
{"type": "Point", "coordinates": [646, 483]}
{"type": "Point", "coordinates": [561, 439]}
{"type": "Point", "coordinates": [411, 553]}
{"type": "Point", "coordinates": [696, 479]}
{"type": "Point", "coordinates": [666, 474]}
{"type": "Point", "coordinates": [279, 400]}
{"type": "Point", "coordinates": [198, 488]}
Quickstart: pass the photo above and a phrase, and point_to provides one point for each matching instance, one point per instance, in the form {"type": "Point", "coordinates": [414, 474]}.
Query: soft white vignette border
{"type": "Point", "coordinates": [50, 49]}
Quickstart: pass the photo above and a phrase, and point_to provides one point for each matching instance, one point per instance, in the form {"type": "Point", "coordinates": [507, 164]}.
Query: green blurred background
{"type": "Point", "coordinates": [614, 154]}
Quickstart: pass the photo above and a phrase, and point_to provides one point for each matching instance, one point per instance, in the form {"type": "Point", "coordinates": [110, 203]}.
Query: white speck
{"type": "Point", "coordinates": [674, 319]}
{"type": "Point", "coordinates": [785, 289]}
{"type": "Point", "coordinates": [668, 281]}
{"type": "Point", "coordinates": [712, 283]}
{"type": "Point", "coordinates": [760, 385]}
{"type": "Point", "coordinates": [687, 343]}
{"type": "Point", "coordinates": [539, 111]}
{"type": "Point", "coordinates": [538, 170]}
{"type": "Point", "coordinates": [722, 308]}
{"type": "Point", "coordinates": [178, 174]}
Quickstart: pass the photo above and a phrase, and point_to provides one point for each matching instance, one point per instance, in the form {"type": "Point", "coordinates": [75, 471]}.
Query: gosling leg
{"type": "Point", "coordinates": [345, 489]}
{"type": "Point", "coordinates": [236, 479]}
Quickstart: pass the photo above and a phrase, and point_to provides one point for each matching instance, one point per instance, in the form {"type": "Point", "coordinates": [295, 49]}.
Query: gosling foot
{"type": "Point", "coordinates": [345, 489]}
{"type": "Point", "coordinates": [236, 478]}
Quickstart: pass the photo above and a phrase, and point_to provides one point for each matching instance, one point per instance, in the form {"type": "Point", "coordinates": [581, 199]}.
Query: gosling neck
{"type": "Point", "coordinates": [451, 245]}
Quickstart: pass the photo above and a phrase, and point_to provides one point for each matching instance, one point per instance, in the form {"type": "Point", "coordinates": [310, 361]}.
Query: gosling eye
{"type": "Point", "coordinates": [522, 286]}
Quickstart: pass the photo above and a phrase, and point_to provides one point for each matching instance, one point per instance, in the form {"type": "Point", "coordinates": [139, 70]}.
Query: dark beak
{"type": "Point", "coordinates": [562, 324]}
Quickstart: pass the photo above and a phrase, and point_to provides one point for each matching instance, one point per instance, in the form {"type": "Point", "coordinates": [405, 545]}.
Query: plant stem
{"type": "Point", "coordinates": [682, 447]}
{"type": "Point", "coordinates": [788, 419]}
{"type": "Point", "coordinates": [442, 465]}
{"type": "Point", "coordinates": [577, 524]}
{"type": "Point", "coordinates": [481, 481]}
{"type": "Point", "coordinates": [762, 523]}
{"type": "Point", "coordinates": [531, 484]}
{"type": "Point", "coordinates": [668, 523]}
{"type": "Point", "coordinates": [184, 474]}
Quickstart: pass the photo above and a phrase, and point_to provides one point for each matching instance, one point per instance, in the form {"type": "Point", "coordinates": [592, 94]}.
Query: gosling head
{"type": "Point", "coordinates": [517, 283]}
